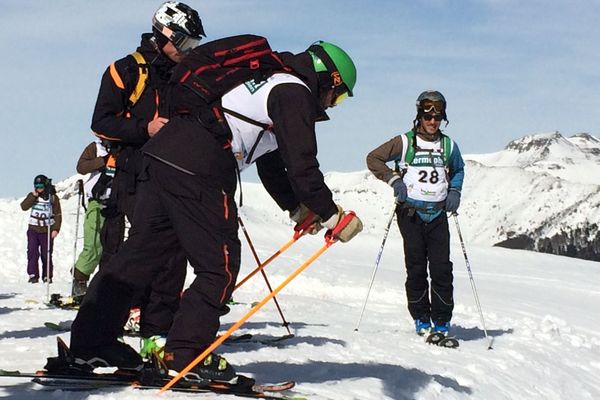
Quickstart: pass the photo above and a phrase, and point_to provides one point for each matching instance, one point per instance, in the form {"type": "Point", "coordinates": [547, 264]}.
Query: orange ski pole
{"type": "Point", "coordinates": [330, 239]}
{"type": "Point", "coordinates": [264, 274]}
{"type": "Point", "coordinates": [299, 231]}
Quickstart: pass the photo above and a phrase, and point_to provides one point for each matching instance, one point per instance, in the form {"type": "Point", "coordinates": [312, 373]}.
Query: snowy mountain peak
{"type": "Point", "coordinates": [587, 143]}
{"type": "Point", "coordinates": [554, 147]}
{"type": "Point", "coordinates": [538, 143]}
{"type": "Point", "coordinates": [552, 153]}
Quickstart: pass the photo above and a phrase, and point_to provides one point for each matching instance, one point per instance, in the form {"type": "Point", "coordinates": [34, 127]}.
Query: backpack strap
{"type": "Point", "coordinates": [249, 120]}
{"type": "Point", "coordinates": [447, 148]}
{"type": "Point", "coordinates": [265, 127]}
{"type": "Point", "coordinates": [142, 78]}
{"type": "Point", "coordinates": [408, 152]}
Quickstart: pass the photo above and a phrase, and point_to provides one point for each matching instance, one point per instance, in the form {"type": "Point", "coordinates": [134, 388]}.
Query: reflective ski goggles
{"type": "Point", "coordinates": [435, 106]}
{"type": "Point", "coordinates": [430, 116]}
{"type": "Point", "coordinates": [339, 99]}
{"type": "Point", "coordinates": [39, 186]}
{"type": "Point", "coordinates": [340, 94]}
{"type": "Point", "coordinates": [184, 43]}
{"type": "Point", "coordinates": [181, 41]}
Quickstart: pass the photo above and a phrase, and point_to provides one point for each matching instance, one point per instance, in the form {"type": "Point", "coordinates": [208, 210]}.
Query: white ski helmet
{"type": "Point", "coordinates": [179, 23]}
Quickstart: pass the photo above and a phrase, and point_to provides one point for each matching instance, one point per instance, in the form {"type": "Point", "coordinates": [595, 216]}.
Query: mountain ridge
{"type": "Point", "coordinates": [515, 198]}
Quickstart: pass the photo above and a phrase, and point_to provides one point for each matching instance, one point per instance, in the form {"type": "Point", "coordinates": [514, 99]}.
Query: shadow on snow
{"type": "Point", "coordinates": [398, 382]}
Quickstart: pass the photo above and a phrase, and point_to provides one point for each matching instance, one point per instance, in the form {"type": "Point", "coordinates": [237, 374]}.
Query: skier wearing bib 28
{"type": "Point", "coordinates": [427, 182]}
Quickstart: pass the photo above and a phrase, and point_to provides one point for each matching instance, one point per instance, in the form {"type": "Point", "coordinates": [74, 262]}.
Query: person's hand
{"type": "Point", "coordinates": [306, 219]}
{"type": "Point", "coordinates": [452, 200]}
{"type": "Point", "coordinates": [399, 189]}
{"type": "Point", "coordinates": [155, 125]}
{"type": "Point", "coordinates": [35, 193]}
{"type": "Point", "coordinates": [350, 229]}
{"type": "Point", "coordinates": [54, 234]}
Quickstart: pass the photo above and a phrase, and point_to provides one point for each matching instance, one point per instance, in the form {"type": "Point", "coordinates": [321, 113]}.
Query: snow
{"type": "Point", "coordinates": [541, 310]}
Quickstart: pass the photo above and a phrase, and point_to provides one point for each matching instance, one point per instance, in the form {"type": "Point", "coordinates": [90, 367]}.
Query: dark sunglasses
{"type": "Point", "coordinates": [428, 117]}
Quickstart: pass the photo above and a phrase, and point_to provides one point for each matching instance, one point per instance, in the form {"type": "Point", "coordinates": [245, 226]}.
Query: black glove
{"type": "Point", "coordinates": [399, 190]}
{"type": "Point", "coordinates": [452, 200]}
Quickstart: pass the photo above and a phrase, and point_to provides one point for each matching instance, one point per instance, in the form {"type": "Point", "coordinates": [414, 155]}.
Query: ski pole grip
{"type": "Point", "coordinates": [303, 226]}
{"type": "Point", "coordinates": [332, 234]}
{"type": "Point", "coordinates": [80, 186]}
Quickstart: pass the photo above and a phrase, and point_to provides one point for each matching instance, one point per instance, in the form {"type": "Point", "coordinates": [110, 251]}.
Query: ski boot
{"type": "Point", "coordinates": [212, 368]}
{"type": "Point", "coordinates": [132, 326]}
{"type": "Point", "coordinates": [117, 354]}
{"type": "Point", "coordinates": [152, 345]}
{"type": "Point", "coordinates": [443, 328]}
{"type": "Point", "coordinates": [422, 326]}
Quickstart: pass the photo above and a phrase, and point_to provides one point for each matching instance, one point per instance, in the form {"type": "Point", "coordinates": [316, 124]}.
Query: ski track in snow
{"type": "Point", "coordinates": [540, 310]}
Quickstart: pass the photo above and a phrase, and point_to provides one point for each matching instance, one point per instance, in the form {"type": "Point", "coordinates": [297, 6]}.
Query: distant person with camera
{"type": "Point", "coordinates": [44, 225]}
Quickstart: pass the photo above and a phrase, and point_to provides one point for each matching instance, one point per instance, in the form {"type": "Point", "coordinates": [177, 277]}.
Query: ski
{"type": "Point", "coordinates": [441, 340]}
{"type": "Point", "coordinates": [65, 326]}
{"type": "Point", "coordinates": [62, 326]}
{"type": "Point", "coordinates": [249, 338]}
{"type": "Point", "coordinates": [62, 373]}
{"type": "Point", "coordinates": [64, 303]}
{"type": "Point", "coordinates": [244, 386]}
{"type": "Point", "coordinates": [243, 389]}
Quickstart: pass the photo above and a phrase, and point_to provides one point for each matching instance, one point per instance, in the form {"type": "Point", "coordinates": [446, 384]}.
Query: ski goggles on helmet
{"type": "Point", "coordinates": [339, 99]}
{"type": "Point", "coordinates": [339, 95]}
{"type": "Point", "coordinates": [180, 40]}
{"type": "Point", "coordinates": [430, 116]}
{"type": "Point", "coordinates": [432, 106]}
{"type": "Point", "coordinates": [183, 42]}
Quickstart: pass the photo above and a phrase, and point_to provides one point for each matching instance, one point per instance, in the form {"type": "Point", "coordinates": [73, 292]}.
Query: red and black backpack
{"type": "Point", "coordinates": [211, 70]}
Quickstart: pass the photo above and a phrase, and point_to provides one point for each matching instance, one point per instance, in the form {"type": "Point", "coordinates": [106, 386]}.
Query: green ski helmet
{"type": "Point", "coordinates": [329, 59]}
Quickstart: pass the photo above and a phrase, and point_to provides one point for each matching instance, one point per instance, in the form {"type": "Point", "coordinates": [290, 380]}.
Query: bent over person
{"type": "Point", "coordinates": [427, 184]}
{"type": "Point", "coordinates": [188, 204]}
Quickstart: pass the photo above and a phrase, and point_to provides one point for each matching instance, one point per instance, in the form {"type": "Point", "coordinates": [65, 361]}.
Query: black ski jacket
{"type": "Point", "coordinates": [114, 120]}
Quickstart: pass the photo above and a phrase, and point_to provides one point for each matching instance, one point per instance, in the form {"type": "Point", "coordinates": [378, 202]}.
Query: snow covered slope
{"type": "Point", "coordinates": [541, 310]}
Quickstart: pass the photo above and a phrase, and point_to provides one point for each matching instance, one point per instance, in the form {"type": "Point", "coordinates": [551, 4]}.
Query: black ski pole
{"type": "Point", "coordinates": [49, 242]}
{"type": "Point", "coordinates": [385, 235]}
{"type": "Point", "coordinates": [464, 250]}
{"type": "Point", "coordinates": [285, 323]}
{"type": "Point", "coordinates": [79, 204]}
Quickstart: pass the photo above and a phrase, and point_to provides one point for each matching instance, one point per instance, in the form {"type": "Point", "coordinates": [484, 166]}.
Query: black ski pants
{"type": "Point", "coordinates": [427, 245]}
{"type": "Point", "coordinates": [159, 302]}
{"type": "Point", "coordinates": [175, 212]}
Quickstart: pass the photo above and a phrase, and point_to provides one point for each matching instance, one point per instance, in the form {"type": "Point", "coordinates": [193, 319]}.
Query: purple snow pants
{"type": "Point", "coordinates": [37, 246]}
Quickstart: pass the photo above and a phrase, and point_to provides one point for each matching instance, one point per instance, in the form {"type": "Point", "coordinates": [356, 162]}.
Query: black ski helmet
{"type": "Point", "coordinates": [178, 23]}
{"type": "Point", "coordinates": [428, 101]}
{"type": "Point", "coordinates": [40, 181]}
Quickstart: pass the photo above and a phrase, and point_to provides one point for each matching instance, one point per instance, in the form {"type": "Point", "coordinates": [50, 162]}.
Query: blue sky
{"type": "Point", "coordinates": [507, 68]}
